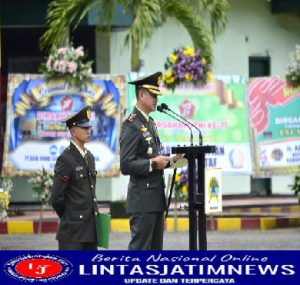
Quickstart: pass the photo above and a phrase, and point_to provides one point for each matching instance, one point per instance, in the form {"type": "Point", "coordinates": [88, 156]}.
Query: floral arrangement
{"type": "Point", "coordinates": [186, 65]}
{"type": "Point", "coordinates": [42, 183]}
{"type": "Point", "coordinates": [181, 186]}
{"type": "Point", "coordinates": [69, 63]}
{"type": "Point", "coordinates": [293, 73]}
{"type": "Point", "coordinates": [7, 186]}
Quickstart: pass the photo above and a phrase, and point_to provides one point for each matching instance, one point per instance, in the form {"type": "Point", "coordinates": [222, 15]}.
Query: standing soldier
{"type": "Point", "coordinates": [73, 196]}
{"type": "Point", "coordinates": [141, 159]}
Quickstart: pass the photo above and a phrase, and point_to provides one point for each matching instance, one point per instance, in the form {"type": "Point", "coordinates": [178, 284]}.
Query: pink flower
{"type": "Point", "coordinates": [62, 66]}
{"type": "Point", "coordinates": [72, 66]}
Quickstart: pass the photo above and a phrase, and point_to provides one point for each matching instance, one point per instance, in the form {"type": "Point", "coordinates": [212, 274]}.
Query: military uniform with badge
{"type": "Point", "coordinates": [139, 147]}
{"type": "Point", "coordinates": [73, 196]}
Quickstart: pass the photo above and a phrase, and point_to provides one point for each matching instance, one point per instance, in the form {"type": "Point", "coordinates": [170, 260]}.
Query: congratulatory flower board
{"type": "Point", "coordinates": [36, 109]}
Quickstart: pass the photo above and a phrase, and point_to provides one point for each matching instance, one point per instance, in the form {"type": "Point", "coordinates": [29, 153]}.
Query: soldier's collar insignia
{"type": "Point", "coordinates": [131, 117]}
{"type": "Point", "coordinates": [144, 129]}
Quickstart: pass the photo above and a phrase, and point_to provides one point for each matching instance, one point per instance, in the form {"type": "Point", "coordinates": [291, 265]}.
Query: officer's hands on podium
{"type": "Point", "coordinates": [177, 157]}
{"type": "Point", "coordinates": [177, 161]}
{"type": "Point", "coordinates": [160, 162]}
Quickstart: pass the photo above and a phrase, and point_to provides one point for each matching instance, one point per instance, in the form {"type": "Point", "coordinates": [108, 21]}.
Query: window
{"type": "Point", "coordinates": [259, 66]}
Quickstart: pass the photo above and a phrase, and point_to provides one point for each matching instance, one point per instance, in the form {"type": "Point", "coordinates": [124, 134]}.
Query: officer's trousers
{"type": "Point", "coordinates": [77, 245]}
{"type": "Point", "coordinates": [146, 231]}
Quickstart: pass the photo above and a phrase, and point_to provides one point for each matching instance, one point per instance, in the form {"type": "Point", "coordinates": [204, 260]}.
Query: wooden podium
{"type": "Point", "coordinates": [196, 187]}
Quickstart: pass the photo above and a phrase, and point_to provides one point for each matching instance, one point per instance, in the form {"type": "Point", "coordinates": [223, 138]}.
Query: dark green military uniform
{"type": "Point", "coordinates": [74, 199]}
{"type": "Point", "coordinates": [146, 203]}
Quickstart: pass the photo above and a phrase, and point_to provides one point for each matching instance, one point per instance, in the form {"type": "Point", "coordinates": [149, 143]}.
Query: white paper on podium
{"type": "Point", "coordinates": [179, 163]}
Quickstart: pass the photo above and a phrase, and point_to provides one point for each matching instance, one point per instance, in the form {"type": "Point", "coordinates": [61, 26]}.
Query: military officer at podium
{"type": "Point", "coordinates": [140, 158]}
{"type": "Point", "coordinates": [73, 196]}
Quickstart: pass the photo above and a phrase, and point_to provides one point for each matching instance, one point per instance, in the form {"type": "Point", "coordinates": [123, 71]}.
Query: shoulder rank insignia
{"type": "Point", "coordinates": [131, 117]}
{"type": "Point", "coordinates": [143, 129]}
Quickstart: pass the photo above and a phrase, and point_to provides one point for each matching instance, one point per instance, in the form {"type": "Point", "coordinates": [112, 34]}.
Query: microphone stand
{"type": "Point", "coordinates": [196, 185]}
{"type": "Point", "coordinates": [160, 109]}
{"type": "Point", "coordinates": [191, 136]}
{"type": "Point", "coordinates": [184, 119]}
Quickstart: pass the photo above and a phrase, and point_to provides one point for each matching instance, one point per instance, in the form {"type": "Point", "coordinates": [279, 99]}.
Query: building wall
{"type": "Point", "coordinates": [251, 31]}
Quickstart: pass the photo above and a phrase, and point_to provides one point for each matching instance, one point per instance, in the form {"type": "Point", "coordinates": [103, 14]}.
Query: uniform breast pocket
{"type": "Point", "coordinates": [81, 179]}
{"type": "Point", "coordinates": [79, 175]}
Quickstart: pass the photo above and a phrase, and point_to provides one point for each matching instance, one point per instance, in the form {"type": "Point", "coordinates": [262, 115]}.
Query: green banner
{"type": "Point", "coordinates": [218, 110]}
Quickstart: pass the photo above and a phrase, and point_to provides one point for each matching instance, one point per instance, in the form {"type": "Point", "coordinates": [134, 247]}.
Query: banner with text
{"type": "Point", "coordinates": [218, 110]}
{"type": "Point", "coordinates": [275, 123]}
{"type": "Point", "coordinates": [36, 110]}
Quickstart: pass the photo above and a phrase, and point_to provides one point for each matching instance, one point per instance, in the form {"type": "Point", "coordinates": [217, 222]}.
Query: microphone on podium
{"type": "Point", "coordinates": [161, 109]}
{"type": "Point", "coordinates": [166, 107]}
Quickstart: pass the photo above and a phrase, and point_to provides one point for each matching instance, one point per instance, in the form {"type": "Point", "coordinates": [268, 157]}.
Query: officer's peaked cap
{"type": "Point", "coordinates": [80, 119]}
{"type": "Point", "coordinates": [150, 82]}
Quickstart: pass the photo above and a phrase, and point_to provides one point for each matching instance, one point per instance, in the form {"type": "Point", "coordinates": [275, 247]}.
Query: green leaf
{"type": "Point", "coordinates": [146, 14]}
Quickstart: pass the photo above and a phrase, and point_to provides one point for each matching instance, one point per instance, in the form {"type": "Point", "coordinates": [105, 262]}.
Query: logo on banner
{"type": "Point", "coordinates": [53, 149]}
{"type": "Point", "coordinates": [38, 268]}
{"type": "Point", "coordinates": [67, 103]}
{"type": "Point", "coordinates": [187, 109]}
{"type": "Point", "coordinates": [213, 189]}
{"type": "Point", "coordinates": [277, 154]}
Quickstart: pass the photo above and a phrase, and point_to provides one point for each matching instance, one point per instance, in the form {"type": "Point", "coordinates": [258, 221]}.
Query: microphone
{"type": "Point", "coordinates": [161, 109]}
{"type": "Point", "coordinates": [166, 107]}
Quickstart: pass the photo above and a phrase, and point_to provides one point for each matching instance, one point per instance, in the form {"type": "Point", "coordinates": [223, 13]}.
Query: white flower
{"type": "Point", "coordinates": [49, 64]}
{"type": "Point", "coordinates": [293, 70]}
{"type": "Point", "coordinates": [41, 186]}
{"type": "Point", "coordinates": [62, 51]}
{"type": "Point", "coordinates": [79, 52]}
{"type": "Point", "coordinates": [56, 65]}
{"type": "Point", "coordinates": [88, 72]}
